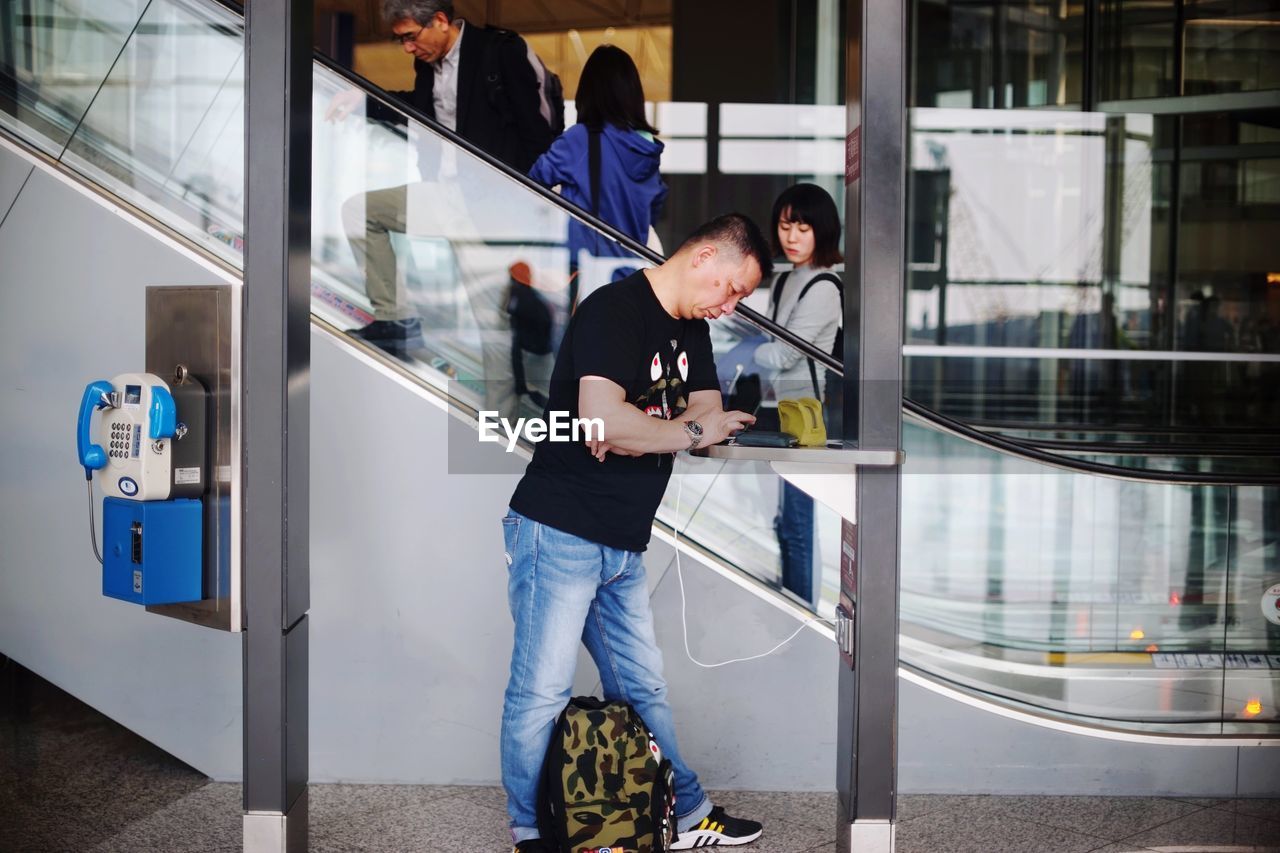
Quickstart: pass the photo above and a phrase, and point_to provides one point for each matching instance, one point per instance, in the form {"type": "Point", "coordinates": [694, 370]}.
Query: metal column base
{"type": "Point", "coordinates": [273, 832]}
{"type": "Point", "coordinates": [871, 836]}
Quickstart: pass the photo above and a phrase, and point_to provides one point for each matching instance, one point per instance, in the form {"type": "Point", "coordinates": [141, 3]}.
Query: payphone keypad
{"type": "Point", "coordinates": [121, 440]}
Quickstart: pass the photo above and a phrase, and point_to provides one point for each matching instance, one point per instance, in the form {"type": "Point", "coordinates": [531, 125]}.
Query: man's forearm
{"type": "Point", "coordinates": [630, 429]}
{"type": "Point", "coordinates": [698, 411]}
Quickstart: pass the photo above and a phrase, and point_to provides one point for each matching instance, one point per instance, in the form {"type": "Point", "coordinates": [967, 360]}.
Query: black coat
{"type": "Point", "coordinates": [498, 100]}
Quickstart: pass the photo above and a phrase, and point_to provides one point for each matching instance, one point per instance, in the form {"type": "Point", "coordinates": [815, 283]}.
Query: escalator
{"type": "Point", "coordinates": [1069, 575]}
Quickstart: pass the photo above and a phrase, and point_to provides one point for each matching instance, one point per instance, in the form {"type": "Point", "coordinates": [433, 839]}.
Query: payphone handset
{"type": "Point", "coordinates": [134, 418]}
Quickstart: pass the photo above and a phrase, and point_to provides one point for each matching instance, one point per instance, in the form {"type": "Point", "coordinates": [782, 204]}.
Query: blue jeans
{"type": "Point", "coordinates": [794, 526]}
{"type": "Point", "coordinates": [564, 589]}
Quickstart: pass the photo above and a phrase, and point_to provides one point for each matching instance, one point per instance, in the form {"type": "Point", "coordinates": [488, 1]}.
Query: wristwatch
{"type": "Point", "coordinates": [695, 433]}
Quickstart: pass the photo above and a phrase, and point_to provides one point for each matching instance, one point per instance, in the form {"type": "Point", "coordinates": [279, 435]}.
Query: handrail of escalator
{"type": "Point", "coordinates": [1137, 429]}
{"type": "Point", "coordinates": [937, 420]}
{"type": "Point", "coordinates": [1013, 447]}
{"type": "Point", "coordinates": [1163, 449]}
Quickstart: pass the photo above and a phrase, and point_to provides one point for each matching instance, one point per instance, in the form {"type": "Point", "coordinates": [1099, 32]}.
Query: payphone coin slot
{"type": "Point", "coordinates": [135, 536]}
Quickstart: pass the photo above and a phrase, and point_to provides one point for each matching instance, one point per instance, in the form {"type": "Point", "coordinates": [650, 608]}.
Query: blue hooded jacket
{"type": "Point", "coordinates": [631, 190]}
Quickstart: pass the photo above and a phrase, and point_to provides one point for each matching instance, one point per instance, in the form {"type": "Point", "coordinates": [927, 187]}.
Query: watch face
{"type": "Point", "coordinates": [694, 427]}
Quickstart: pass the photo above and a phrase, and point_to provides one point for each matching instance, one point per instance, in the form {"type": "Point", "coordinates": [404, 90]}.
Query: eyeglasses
{"type": "Point", "coordinates": [405, 38]}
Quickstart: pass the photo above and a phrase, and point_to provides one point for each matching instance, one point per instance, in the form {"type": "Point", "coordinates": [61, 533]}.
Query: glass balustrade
{"type": "Point", "coordinates": [1095, 598]}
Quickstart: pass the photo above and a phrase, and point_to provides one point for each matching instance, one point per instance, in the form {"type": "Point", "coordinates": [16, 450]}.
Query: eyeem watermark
{"type": "Point", "coordinates": [560, 427]}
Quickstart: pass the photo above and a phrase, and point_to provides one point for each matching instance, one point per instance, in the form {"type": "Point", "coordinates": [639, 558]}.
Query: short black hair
{"type": "Point", "coordinates": [809, 204]}
{"type": "Point", "coordinates": [420, 11]}
{"type": "Point", "coordinates": [738, 232]}
{"type": "Point", "coordinates": [610, 91]}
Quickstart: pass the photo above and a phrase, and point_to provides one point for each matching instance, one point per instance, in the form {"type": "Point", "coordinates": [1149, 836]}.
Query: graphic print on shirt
{"type": "Point", "coordinates": [666, 398]}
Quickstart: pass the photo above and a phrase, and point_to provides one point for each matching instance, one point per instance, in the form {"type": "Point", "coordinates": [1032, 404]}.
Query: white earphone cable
{"type": "Point", "coordinates": [684, 619]}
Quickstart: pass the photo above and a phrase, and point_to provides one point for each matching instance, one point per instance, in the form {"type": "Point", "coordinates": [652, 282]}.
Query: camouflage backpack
{"type": "Point", "coordinates": [605, 786]}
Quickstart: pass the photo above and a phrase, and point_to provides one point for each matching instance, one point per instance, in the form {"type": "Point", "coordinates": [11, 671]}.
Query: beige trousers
{"type": "Point", "coordinates": [438, 210]}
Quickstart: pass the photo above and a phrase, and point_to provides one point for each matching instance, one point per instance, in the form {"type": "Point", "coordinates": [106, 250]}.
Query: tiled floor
{"type": "Point", "coordinates": [71, 780]}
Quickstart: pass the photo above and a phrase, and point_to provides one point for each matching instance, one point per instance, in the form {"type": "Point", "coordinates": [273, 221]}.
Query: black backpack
{"type": "Point", "coordinates": [831, 392]}
{"type": "Point", "coordinates": [605, 782]}
{"type": "Point", "coordinates": [551, 89]}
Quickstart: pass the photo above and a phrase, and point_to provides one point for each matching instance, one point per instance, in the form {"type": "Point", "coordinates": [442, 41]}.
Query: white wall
{"type": "Point", "coordinates": [73, 278]}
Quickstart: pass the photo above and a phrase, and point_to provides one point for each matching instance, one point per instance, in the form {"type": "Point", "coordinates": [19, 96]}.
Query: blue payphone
{"type": "Point", "coordinates": [145, 442]}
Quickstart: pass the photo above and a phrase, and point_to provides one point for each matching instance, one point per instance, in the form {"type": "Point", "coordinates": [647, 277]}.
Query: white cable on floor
{"type": "Point", "coordinates": [684, 619]}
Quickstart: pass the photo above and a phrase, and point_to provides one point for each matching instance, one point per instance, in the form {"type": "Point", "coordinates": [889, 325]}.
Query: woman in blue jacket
{"type": "Point", "coordinates": [629, 191]}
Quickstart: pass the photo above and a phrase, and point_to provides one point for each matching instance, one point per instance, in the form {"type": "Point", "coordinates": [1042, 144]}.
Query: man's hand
{"type": "Point", "coordinates": [719, 425]}
{"type": "Point", "coordinates": [600, 448]}
{"type": "Point", "coordinates": [341, 104]}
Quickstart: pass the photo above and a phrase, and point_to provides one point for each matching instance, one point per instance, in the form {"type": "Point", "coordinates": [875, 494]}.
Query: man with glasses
{"type": "Point", "coordinates": [478, 81]}
{"type": "Point", "coordinates": [484, 84]}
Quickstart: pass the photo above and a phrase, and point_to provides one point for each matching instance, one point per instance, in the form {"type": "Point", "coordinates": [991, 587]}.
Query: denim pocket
{"type": "Point", "coordinates": [510, 536]}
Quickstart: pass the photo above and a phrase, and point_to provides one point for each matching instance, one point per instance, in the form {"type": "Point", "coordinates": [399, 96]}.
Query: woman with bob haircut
{"type": "Point", "coordinates": [630, 192]}
{"type": "Point", "coordinates": [807, 301]}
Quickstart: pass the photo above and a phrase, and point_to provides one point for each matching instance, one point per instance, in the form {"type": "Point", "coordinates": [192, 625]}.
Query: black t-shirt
{"type": "Point", "coordinates": [623, 333]}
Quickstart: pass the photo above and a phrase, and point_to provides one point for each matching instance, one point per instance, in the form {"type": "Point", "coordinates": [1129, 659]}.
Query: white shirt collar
{"type": "Point", "coordinates": [451, 58]}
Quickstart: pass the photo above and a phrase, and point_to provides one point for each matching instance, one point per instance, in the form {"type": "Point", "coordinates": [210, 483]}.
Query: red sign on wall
{"type": "Point", "coordinates": [853, 156]}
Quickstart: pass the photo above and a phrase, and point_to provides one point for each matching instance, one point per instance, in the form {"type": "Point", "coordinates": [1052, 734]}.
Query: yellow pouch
{"type": "Point", "coordinates": [803, 419]}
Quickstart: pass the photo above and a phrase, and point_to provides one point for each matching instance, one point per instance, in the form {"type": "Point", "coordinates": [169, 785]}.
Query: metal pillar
{"type": "Point", "coordinates": [276, 396]}
{"type": "Point", "coordinates": [875, 86]}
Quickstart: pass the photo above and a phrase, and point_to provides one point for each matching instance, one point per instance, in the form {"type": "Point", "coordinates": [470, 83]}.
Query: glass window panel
{"type": "Point", "coordinates": [1001, 55]}
{"type": "Point", "coordinates": [1227, 46]}
{"type": "Point", "coordinates": [1036, 232]}
{"type": "Point", "coordinates": [1225, 299]}
{"type": "Point", "coordinates": [1231, 46]}
{"type": "Point", "coordinates": [1136, 53]}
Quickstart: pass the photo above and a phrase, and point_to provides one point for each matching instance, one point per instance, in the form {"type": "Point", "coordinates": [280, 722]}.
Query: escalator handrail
{"type": "Point", "coordinates": [1119, 429]}
{"type": "Point", "coordinates": [1155, 449]}
{"type": "Point", "coordinates": [1014, 447]}
{"type": "Point", "coordinates": [939, 421]}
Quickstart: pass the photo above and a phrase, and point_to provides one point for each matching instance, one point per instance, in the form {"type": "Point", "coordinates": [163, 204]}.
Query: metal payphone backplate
{"type": "Point", "coordinates": [197, 327]}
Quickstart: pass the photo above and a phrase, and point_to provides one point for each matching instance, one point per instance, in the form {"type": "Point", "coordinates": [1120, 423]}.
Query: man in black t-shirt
{"type": "Point", "coordinates": [637, 357]}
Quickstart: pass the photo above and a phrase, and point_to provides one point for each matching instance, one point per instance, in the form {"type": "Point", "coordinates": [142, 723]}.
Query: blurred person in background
{"type": "Point", "coordinates": [805, 300]}
{"type": "Point", "coordinates": [607, 163]}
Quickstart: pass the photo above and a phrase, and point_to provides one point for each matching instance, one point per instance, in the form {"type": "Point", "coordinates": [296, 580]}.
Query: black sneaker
{"type": "Point", "coordinates": [395, 330]}
{"type": "Point", "coordinates": [534, 845]}
{"type": "Point", "coordinates": [718, 830]}
{"type": "Point", "coordinates": [397, 337]}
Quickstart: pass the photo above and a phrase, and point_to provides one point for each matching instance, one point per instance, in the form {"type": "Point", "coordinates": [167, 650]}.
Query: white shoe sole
{"type": "Point", "coordinates": [696, 839]}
